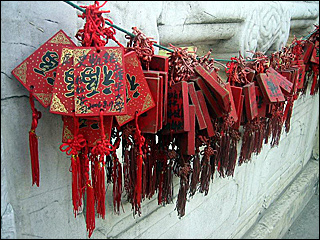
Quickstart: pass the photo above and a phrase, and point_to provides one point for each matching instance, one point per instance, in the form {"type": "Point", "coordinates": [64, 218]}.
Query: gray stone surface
{"type": "Point", "coordinates": [306, 226]}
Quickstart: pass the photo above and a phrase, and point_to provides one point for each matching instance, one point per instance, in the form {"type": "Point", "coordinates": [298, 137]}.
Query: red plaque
{"type": "Point", "coordinates": [250, 101]}
{"type": "Point", "coordinates": [159, 63]}
{"type": "Point", "coordinates": [89, 128]}
{"type": "Point", "coordinates": [239, 112]}
{"type": "Point", "coordinates": [139, 97]}
{"type": "Point", "coordinates": [195, 102]}
{"type": "Point", "coordinates": [149, 120]}
{"type": "Point", "coordinates": [284, 84]}
{"type": "Point", "coordinates": [301, 73]}
{"type": "Point", "coordinates": [100, 82]}
{"type": "Point", "coordinates": [188, 139]}
{"type": "Point", "coordinates": [204, 109]}
{"type": "Point", "coordinates": [307, 51]}
{"type": "Point", "coordinates": [221, 94]}
{"type": "Point", "coordinates": [39, 69]}
{"type": "Point", "coordinates": [178, 109]}
{"type": "Point", "coordinates": [270, 88]}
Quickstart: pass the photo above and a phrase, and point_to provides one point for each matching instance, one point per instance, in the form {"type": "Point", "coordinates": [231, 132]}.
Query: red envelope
{"type": "Point", "coordinates": [149, 120]}
{"type": "Point", "coordinates": [187, 142]}
{"type": "Point", "coordinates": [139, 97]}
{"type": "Point", "coordinates": [250, 101]}
{"type": "Point", "coordinates": [100, 82]}
{"type": "Point", "coordinates": [204, 109]}
{"type": "Point", "coordinates": [285, 85]}
{"type": "Point", "coordinates": [270, 88]}
{"type": "Point", "coordinates": [63, 89]}
{"type": "Point", "coordinates": [195, 102]}
{"type": "Point", "coordinates": [178, 109]}
{"type": "Point", "coordinates": [39, 69]}
{"type": "Point", "coordinates": [211, 79]}
{"type": "Point", "coordinates": [89, 128]}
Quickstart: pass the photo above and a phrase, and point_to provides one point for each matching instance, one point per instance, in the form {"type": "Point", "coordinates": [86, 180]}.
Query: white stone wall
{"type": "Point", "coordinates": [232, 205]}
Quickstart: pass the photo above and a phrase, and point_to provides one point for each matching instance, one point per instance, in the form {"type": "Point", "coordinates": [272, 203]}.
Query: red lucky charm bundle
{"type": "Point", "coordinates": [172, 115]}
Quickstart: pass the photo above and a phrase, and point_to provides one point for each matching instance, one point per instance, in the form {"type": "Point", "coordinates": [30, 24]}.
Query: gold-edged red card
{"type": "Point", "coordinates": [139, 97]}
{"type": "Point", "coordinates": [38, 71]}
{"type": "Point", "coordinates": [88, 127]}
{"type": "Point", "coordinates": [63, 89]}
{"type": "Point", "coordinates": [100, 81]}
{"type": "Point", "coordinates": [178, 109]}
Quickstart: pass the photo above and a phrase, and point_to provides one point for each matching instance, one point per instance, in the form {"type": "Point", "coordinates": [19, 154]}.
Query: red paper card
{"type": "Point", "coordinates": [195, 102]}
{"type": "Point", "coordinates": [158, 63]}
{"type": "Point", "coordinates": [178, 109]}
{"type": "Point", "coordinates": [315, 53]}
{"type": "Point", "coordinates": [250, 101]}
{"type": "Point", "coordinates": [270, 88]}
{"type": "Point", "coordinates": [204, 109]}
{"type": "Point", "coordinates": [100, 82]}
{"type": "Point", "coordinates": [89, 128]}
{"type": "Point", "coordinates": [233, 110]}
{"type": "Point", "coordinates": [39, 69]}
{"type": "Point", "coordinates": [307, 51]}
{"type": "Point", "coordinates": [284, 84]}
{"type": "Point", "coordinates": [148, 121]}
{"type": "Point", "coordinates": [63, 89]}
{"type": "Point", "coordinates": [222, 94]}
{"type": "Point", "coordinates": [240, 113]}
{"type": "Point", "coordinates": [187, 142]}
{"type": "Point", "coordinates": [261, 103]}
{"type": "Point", "coordinates": [209, 96]}
{"type": "Point", "coordinates": [139, 97]}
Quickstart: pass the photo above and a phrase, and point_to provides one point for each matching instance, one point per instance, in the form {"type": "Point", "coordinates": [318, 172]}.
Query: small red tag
{"type": "Point", "coordinates": [284, 84]}
{"type": "Point", "coordinates": [139, 97]}
{"type": "Point", "coordinates": [315, 53]}
{"type": "Point", "coordinates": [188, 139]}
{"type": "Point", "coordinates": [178, 109]}
{"type": "Point", "coordinates": [307, 51]}
{"type": "Point", "coordinates": [250, 101]}
{"type": "Point", "coordinates": [39, 69]}
{"type": "Point", "coordinates": [233, 110]}
{"type": "Point", "coordinates": [238, 102]}
{"type": "Point", "coordinates": [270, 88]}
{"type": "Point", "coordinates": [261, 103]}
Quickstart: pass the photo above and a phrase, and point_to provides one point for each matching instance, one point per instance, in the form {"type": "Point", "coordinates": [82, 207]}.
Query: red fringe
{"type": "Point", "coordinates": [138, 186]}
{"type": "Point", "coordinates": [33, 145]}
{"type": "Point", "coordinates": [76, 184]}
{"type": "Point", "coordinates": [101, 190]}
{"type": "Point", "coordinates": [195, 175]}
{"type": "Point", "coordinates": [117, 183]}
{"type": "Point", "coordinates": [90, 211]}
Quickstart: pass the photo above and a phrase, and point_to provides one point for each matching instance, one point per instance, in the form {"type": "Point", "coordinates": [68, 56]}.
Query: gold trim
{"type": "Point", "coordinates": [21, 72]}
{"type": "Point", "coordinates": [117, 53]}
{"type": "Point", "coordinates": [64, 52]}
{"type": "Point", "coordinates": [60, 38]}
{"type": "Point", "coordinates": [44, 97]}
{"type": "Point", "coordinates": [121, 119]}
{"type": "Point", "coordinates": [56, 105]}
{"type": "Point", "coordinates": [80, 109]}
{"type": "Point", "coordinates": [67, 134]}
{"type": "Point", "coordinates": [79, 52]}
{"type": "Point", "coordinates": [147, 102]}
{"type": "Point", "coordinates": [132, 61]}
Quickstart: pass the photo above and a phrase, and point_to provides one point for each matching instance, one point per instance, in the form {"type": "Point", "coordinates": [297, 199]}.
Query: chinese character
{"type": "Point", "coordinates": [91, 79]}
{"type": "Point", "coordinates": [49, 62]}
{"type": "Point", "coordinates": [107, 80]}
{"type": "Point", "coordinates": [68, 79]}
{"type": "Point", "coordinates": [133, 85]}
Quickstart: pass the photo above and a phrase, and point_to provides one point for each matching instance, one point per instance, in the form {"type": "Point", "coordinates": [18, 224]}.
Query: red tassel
{"type": "Point", "coordinates": [100, 187]}
{"type": "Point", "coordinates": [76, 184]}
{"type": "Point", "coordinates": [315, 82]}
{"type": "Point", "coordinates": [90, 211]}
{"type": "Point", "coordinates": [33, 143]}
{"type": "Point", "coordinates": [117, 183]}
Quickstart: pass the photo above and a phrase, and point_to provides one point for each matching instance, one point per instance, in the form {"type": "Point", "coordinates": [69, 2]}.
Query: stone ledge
{"type": "Point", "coordinates": [279, 217]}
